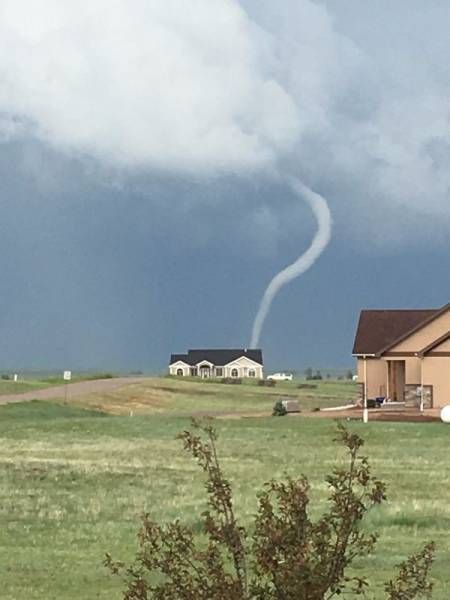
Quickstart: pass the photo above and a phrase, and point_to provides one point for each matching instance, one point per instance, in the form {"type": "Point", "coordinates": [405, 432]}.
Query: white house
{"type": "Point", "coordinates": [238, 363]}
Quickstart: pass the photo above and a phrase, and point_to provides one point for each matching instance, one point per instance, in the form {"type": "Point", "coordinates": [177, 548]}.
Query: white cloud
{"type": "Point", "coordinates": [168, 84]}
{"type": "Point", "coordinates": [218, 86]}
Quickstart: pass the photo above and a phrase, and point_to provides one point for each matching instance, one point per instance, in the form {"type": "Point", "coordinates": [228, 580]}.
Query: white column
{"type": "Point", "coordinates": [388, 386]}
{"type": "Point", "coordinates": [365, 410]}
{"type": "Point", "coordinates": [421, 385]}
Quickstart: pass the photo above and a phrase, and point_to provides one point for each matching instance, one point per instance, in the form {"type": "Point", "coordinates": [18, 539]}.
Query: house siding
{"type": "Point", "coordinates": [436, 370]}
{"type": "Point", "coordinates": [413, 373]}
{"type": "Point", "coordinates": [422, 338]}
{"type": "Point", "coordinates": [376, 376]}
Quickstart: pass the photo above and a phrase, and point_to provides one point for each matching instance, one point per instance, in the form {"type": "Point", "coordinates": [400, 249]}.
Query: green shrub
{"type": "Point", "coordinates": [279, 410]}
{"type": "Point", "coordinates": [285, 556]}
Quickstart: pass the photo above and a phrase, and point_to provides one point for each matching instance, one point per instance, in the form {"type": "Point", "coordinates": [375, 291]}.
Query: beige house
{"type": "Point", "coordinates": [237, 363]}
{"type": "Point", "coordinates": [404, 356]}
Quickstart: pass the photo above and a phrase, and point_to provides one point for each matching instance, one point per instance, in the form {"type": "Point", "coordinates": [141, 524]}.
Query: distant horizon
{"type": "Point", "coordinates": [46, 372]}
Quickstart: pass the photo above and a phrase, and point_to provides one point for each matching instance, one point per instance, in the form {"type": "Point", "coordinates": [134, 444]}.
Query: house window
{"type": "Point", "coordinates": [252, 373]}
{"type": "Point", "coordinates": [180, 372]}
{"type": "Point", "coordinates": [193, 371]}
{"type": "Point", "coordinates": [219, 371]}
{"type": "Point", "coordinates": [234, 373]}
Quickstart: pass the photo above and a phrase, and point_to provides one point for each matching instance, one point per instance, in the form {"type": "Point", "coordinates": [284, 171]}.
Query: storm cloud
{"type": "Point", "coordinates": [154, 134]}
{"type": "Point", "coordinates": [219, 86]}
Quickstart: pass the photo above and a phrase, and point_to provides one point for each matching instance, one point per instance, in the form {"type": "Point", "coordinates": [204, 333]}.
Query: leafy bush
{"type": "Point", "coordinates": [279, 410]}
{"type": "Point", "coordinates": [286, 555]}
{"type": "Point", "coordinates": [231, 380]}
{"type": "Point", "coordinates": [5, 377]}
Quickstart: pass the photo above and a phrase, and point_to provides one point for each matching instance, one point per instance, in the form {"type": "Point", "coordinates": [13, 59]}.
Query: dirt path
{"type": "Point", "coordinates": [411, 415]}
{"type": "Point", "coordinates": [73, 389]}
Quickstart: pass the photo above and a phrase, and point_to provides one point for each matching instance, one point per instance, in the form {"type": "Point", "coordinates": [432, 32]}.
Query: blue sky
{"type": "Point", "coordinates": [123, 240]}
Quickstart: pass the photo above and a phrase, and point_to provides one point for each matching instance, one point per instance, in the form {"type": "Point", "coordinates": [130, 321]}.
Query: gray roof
{"type": "Point", "coordinates": [218, 357]}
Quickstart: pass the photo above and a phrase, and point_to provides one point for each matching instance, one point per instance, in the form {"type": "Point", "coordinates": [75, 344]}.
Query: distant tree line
{"type": "Point", "coordinates": [316, 375]}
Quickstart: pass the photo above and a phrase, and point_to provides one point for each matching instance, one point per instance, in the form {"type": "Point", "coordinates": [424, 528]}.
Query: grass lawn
{"type": "Point", "coordinates": [73, 483]}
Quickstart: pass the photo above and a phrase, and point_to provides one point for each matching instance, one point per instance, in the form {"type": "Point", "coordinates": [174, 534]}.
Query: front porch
{"type": "Point", "coordinates": [394, 383]}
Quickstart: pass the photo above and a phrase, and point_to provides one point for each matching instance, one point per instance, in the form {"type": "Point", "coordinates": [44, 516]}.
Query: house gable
{"type": "Point", "coordinates": [205, 363]}
{"type": "Point", "coordinates": [440, 347]}
{"type": "Point", "coordinates": [443, 347]}
{"type": "Point", "coordinates": [424, 335]}
{"type": "Point", "coordinates": [179, 363]}
{"type": "Point", "coordinates": [243, 361]}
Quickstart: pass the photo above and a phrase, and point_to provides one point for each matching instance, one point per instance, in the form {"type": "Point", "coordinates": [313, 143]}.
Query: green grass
{"type": "Point", "coordinates": [74, 481]}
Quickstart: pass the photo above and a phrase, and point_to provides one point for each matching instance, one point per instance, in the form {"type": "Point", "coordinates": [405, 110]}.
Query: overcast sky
{"type": "Point", "coordinates": [144, 147]}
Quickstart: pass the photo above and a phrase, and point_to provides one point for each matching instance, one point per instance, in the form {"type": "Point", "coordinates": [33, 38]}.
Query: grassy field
{"type": "Point", "coordinates": [8, 386]}
{"type": "Point", "coordinates": [18, 387]}
{"type": "Point", "coordinates": [177, 396]}
{"type": "Point", "coordinates": [73, 482]}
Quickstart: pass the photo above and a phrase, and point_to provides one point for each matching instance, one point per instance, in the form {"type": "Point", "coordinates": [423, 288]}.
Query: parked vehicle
{"type": "Point", "coordinates": [280, 377]}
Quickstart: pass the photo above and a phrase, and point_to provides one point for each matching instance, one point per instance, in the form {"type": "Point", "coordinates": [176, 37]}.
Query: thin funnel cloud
{"type": "Point", "coordinates": [322, 213]}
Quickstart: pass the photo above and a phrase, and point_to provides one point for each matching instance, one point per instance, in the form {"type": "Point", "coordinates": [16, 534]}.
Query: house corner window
{"type": "Point", "coordinates": [234, 373]}
{"type": "Point", "coordinates": [219, 371]}
{"type": "Point", "coordinates": [180, 372]}
{"type": "Point", "coordinates": [252, 373]}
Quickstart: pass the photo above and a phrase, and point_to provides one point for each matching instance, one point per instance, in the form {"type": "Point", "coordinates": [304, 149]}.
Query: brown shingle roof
{"type": "Point", "coordinates": [379, 329]}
